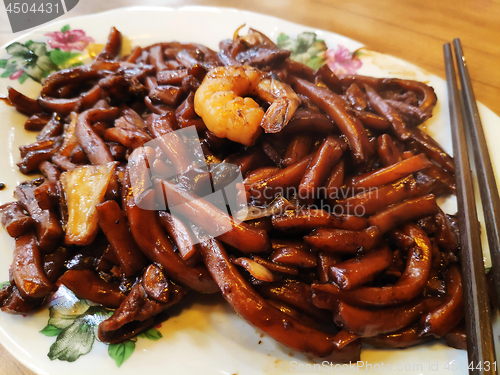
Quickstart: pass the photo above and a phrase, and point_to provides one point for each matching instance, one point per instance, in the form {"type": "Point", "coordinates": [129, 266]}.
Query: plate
{"type": "Point", "coordinates": [205, 336]}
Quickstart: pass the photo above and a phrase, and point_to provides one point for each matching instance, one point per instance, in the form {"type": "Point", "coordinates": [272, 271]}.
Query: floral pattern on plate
{"type": "Point", "coordinates": [74, 323]}
{"type": "Point", "coordinates": [34, 60]}
{"type": "Point", "coordinates": [313, 52]}
{"type": "Point", "coordinates": [68, 39]}
{"type": "Point", "coordinates": [341, 61]}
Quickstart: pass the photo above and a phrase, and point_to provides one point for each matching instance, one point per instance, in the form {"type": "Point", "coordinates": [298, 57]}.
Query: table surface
{"type": "Point", "coordinates": [413, 30]}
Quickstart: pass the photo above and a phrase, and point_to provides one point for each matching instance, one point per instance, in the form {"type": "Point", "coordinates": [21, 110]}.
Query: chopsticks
{"type": "Point", "coordinates": [485, 175]}
{"type": "Point", "coordinates": [480, 347]}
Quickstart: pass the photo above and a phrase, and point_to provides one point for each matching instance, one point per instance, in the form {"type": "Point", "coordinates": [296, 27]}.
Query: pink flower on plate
{"type": "Point", "coordinates": [17, 74]}
{"type": "Point", "coordinates": [341, 61]}
{"type": "Point", "coordinates": [69, 40]}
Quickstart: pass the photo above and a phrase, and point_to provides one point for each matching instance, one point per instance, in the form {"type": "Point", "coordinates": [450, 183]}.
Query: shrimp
{"type": "Point", "coordinates": [220, 103]}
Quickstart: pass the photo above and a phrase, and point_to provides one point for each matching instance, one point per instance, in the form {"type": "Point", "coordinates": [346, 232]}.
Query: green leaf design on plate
{"type": "Point", "coordinates": [34, 71]}
{"type": "Point", "coordinates": [16, 63]}
{"type": "Point", "coordinates": [4, 284]}
{"type": "Point", "coordinates": [152, 334]}
{"type": "Point", "coordinates": [7, 73]}
{"type": "Point", "coordinates": [282, 38]}
{"type": "Point", "coordinates": [358, 53]}
{"type": "Point", "coordinates": [19, 50]}
{"type": "Point", "coordinates": [51, 331]}
{"type": "Point", "coordinates": [23, 78]}
{"type": "Point", "coordinates": [77, 339]}
{"type": "Point", "coordinates": [61, 58]}
{"type": "Point", "coordinates": [316, 62]}
{"type": "Point", "coordinates": [306, 49]}
{"type": "Point", "coordinates": [32, 59]}
{"type": "Point", "coordinates": [72, 342]}
{"type": "Point", "coordinates": [39, 49]}
{"type": "Point", "coordinates": [62, 316]}
{"type": "Point", "coordinates": [305, 39]}
{"type": "Point", "coordinates": [45, 63]}
{"type": "Point", "coordinates": [75, 324]}
{"type": "Point", "coordinates": [121, 352]}
{"type": "Point", "coordinates": [79, 63]}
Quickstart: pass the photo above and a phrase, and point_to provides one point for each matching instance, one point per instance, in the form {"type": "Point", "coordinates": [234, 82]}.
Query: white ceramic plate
{"type": "Point", "coordinates": [206, 337]}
